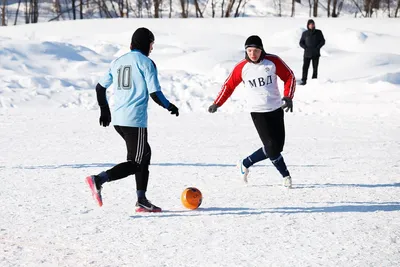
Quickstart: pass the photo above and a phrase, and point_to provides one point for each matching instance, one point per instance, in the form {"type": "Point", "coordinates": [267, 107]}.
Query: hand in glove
{"type": "Point", "coordinates": [288, 105]}
{"type": "Point", "coordinates": [105, 116]}
{"type": "Point", "coordinates": [173, 109]}
{"type": "Point", "coordinates": [213, 108]}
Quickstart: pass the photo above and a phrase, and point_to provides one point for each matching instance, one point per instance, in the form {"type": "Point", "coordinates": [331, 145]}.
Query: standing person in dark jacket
{"type": "Point", "coordinates": [311, 41]}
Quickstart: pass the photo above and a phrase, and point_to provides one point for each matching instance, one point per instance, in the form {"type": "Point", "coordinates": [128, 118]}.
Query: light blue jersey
{"type": "Point", "coordinates": [134, 76]}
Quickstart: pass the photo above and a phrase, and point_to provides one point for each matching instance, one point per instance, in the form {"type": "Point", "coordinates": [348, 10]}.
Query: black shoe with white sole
{"type": "Point", "coordinates": [144, 205]}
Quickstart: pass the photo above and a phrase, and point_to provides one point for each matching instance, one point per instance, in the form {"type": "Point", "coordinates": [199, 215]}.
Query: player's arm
{"type": "Point", "coordinates": [287, 76]}
{"type": "Point", "coordinates": [154, 88]}
{"type": "Point", "coordinates": [101, 88]}
{"type": "Point", "coordinates": [233, 80]}
{"type": "Point", "coordinates": [322, 40]}
{"type": "Point", "coordinates": [302, 42]}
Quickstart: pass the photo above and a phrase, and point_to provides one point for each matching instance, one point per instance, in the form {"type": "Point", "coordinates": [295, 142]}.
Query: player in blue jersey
{"type": "Point", "coordinates": [134, 77]}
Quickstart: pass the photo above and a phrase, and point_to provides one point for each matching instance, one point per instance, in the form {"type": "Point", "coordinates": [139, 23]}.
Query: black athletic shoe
{"type": "Point", "coordinates": [144, 205]}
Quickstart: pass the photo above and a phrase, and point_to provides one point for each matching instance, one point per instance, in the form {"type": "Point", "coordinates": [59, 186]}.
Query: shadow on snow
{"type": "Point", "coordinates": [178, 164]}
{"type": "Point", "coordinates": [215, 211]}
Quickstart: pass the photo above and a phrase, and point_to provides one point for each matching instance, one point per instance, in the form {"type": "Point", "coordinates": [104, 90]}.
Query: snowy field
{"type": "Point", "coordinates": [342, 148]}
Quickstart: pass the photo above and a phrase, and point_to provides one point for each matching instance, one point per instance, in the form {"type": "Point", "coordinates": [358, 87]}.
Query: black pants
{"type": "Point", "coordinates": [271, 129]}
{"type": "Point", "coordinates": [306, 66]}
{"type": "Point", "coordinates": [138, 157]}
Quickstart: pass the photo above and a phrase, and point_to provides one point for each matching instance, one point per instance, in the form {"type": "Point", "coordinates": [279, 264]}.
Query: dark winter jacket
{"type": "Point", "coordinates": [312, 41]}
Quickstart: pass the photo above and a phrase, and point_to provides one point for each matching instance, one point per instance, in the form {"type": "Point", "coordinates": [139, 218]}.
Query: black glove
{"type": "Point", "coordinates": [288, 105]}
{"type": "Point", "coordinates": [105, 116]}
{"type": "Point", "coordinates": [213, 108]}
{"type": "Point", "coordinates": [173, 109]}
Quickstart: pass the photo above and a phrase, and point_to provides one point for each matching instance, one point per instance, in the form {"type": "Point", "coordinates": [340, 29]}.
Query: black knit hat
{"type": "Point", "coordinates": [141, 40]}
{"type": "Point", "coordinates": [310, 21]}
{"type": "Point", "coordinates": [254, 41]}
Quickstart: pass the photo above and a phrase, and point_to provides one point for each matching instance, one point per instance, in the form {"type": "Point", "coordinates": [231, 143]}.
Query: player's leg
{"type": "Point", "coordinates": [276, 128]}
{"type": "Point", "coordinates": [315, 63]}
{"type": "Point", "coordinates": [260, 154]}
{"type": "Point", "coordinates": [306, 66]}
{"type": "Point", "coordinates": [122, 170]}
{"type": "Point", "coordinates": [142, 179]}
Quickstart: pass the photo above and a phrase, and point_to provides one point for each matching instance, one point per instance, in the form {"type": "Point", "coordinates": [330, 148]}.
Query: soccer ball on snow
{"type": "Point", "coordinates": [191, 198]}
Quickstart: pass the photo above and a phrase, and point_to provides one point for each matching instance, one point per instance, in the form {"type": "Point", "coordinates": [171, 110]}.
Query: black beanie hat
{"type": "Point", "coordinates": [141, 40]}
{"type": "Point", "coordinates": [310, 21]}
{"type": "Point", "coordinates": [254, 41]}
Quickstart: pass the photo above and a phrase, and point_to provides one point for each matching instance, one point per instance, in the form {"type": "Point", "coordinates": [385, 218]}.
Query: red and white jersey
{"type": "Point", "coordinates": [260, 80]}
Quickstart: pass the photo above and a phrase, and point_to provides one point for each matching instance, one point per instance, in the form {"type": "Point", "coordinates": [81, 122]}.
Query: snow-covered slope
{"type": "Point", "coordinates": [342, 148]}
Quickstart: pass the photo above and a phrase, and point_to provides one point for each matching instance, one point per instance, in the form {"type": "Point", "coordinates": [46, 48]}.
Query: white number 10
{"type": "Point", "coordinates": [124, 77]}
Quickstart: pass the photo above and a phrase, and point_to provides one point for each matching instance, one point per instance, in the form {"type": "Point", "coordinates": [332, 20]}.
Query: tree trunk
{"type": "Point", "coordinates": [213, 8]}
{"type": "Point", "coordinates": [198, 10]}
{"type": "Point", "coordinates": [184, 9]}
{"type": "Point", "coordinates": [222, 8]}
{"type": "Point", "coordinates": [16, 14]}
{"type": "Point", "coordinates": [315, 13]}
{"type": "Point", "coordinates": [329, 8]}
{"type": "Point", "coordinates": [397, 9]}
{"type": "Point", "coordinates": [229, 9]}
{"type": "Point", "coordinates": [81, 9]}
{"type": "Point", "coordinates": [156, 8]}
{"type": "Point", "coordinates": [238, 8]}
{"type": "Point", "coordinates": [35, 11]}
{"type": "Point", "coordinates": [73, 9]}
{"type": "Point", "coordinates": [3, 13]}
{"type": "Point", "coordinates": [26, 12]}
{"type": "Point", "coordinates": [293, 8]}
{"type": "Point", "coordinates": [334, 12]}
{"type": "Point", "coordinates": [170, 9]}
{"type": "Point", "coordinates": [309, 2]}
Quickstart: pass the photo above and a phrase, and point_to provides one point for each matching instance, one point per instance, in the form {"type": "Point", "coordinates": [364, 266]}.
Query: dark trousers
{"type": "Point", "coordinates": [306, 66]}
{"type": "Point", "coordinates": [271, 129]}
{"type": "Point", "coordinates": [138, 157]}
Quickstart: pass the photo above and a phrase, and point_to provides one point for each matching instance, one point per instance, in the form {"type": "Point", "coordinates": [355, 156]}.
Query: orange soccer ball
{"type": "Point", "coordinates": [191, 198]}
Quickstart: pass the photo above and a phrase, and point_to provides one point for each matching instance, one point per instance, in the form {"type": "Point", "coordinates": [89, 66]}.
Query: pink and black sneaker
{"type": "Point", "coordinates": [96, 192]}
{"type": "Point", "coordinates": [144, 205]}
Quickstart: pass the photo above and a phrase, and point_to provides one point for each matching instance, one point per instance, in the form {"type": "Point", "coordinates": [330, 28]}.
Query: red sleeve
{"type": "Point", "coordinates": [285, 74]}
{"type": "Point", "coordinates": [233, 80]}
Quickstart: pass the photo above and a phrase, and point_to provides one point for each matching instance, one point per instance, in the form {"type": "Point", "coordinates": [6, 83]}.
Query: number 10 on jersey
{"type": "Point", "coordinates": [124, 77]}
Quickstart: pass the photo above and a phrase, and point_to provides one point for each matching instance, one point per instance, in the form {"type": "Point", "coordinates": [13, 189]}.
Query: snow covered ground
{"type": "Point", "coordinates": [342, 148]}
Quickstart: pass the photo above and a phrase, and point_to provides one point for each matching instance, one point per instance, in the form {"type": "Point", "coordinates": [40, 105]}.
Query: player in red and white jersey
{"type": "Point", "coordinates": [259, 72]}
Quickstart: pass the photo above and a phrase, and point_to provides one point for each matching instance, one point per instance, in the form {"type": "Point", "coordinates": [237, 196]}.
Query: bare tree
{"type": "Point", "coordinates": [315, 13]}
{"type": "Point", "coordinates": [370, 5]}
{"type": "Point", "coordinates": [278, 7]}
{"type": "Point", "coordinates": [156, 4]}
{"type": "Point", "coordinates": [3, 13]}
{"type": "Point", "coordinates": [34, 11]}
{"type": "Point", "coordinates": [213, 8]}
{"type": "Point", "coordinates": [397, 9]}
{"type": "Point", "coordinates": [329, 8]}
{"type": "Point", "coordinates": [185, 8]}
{"type": "Point", "coordinates": [198, 10]}
{"type": "Point", "coordinates": [16, 14]}
{"type": "Point", "coordinates": [222, 8]}
{"type": "Point", "coordinates": [73, 9]}
{"type": "Point", "coordinates": [170, 9]}
{"type": "Point", "coordinates": [241, 5]}
{"type": "Point", "coordinates": [334, 12]}
{"type": "Point", "coordinates": [228, 11]}
{"type": "Point", "coordinates": [81, 9]}
{"type": "Point", "coordinates": [294, 8]}
{"type": "Point", "coordinates": [309, 2]}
